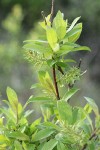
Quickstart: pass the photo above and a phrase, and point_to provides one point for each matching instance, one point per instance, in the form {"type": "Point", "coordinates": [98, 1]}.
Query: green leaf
{"type": "Point", "coordinates": [42, 134]}
{"type": "Point", "coordinates": [87, 129]}
{"type": "Point", "coordinates": [50, 145]}
{"type": "Point", "coordinates": [69, 94]}
{"type": "Point", "coordinates": [37, 85]}
{"type": "Point", "coordinates": [39, 47]}
{"type": "Point", "coordinates": [73, 24]}
{"type": "Point", "coordinates": [74, 34]}
{"type": "Point", "coordinates": [17, 145]}
{"type": "Point", "coordinates": [38, 99]}
{"type": "Point", "coordinates": [65, 111]}
{"type": "Point", "coordinates": [93, 105]}
{"type": "Point", "coordinates": [17, 135]}
{"type": "Point", "coordinates": [51, 62]}
{"type": "Point", "coordinates": [28, 146]}
{"type": "Point", "coordinates": [61, 64]}
{"type": "Point", "coordinates": [43, 25]}
{"type": "Point", "coordinates": [51, 125]}
{"type": "Point", "coordinates": [61, 146]}
{"type": "Point", "coordinates": [64, 49]}
{"type": "Point", "coordinates": [92, 145]}
{"type": "Point", "coordinates": [75, 115]}
{"type": "Point", "coordinates": [52, 39]}
{"type": "Point", "coordinates": [4, 139]}
{"type": "Point", "coordinates": [27, 113]}
{"type": "Point", "coordinates": [13, 100]}
{"type": "Point", "coordinates": [46, 83]}
{"type": "Point", "coordinates": [60, 25]}
{"type": "Point", "coordinates": [82, 48]}
{"type": "Point", "coordinates": [34, 125]}
{"type": "Point", "coordinates": [9, 114]}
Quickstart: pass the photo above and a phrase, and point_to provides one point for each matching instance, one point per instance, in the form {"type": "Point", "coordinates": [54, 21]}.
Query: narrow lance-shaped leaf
{"type": "Point", "coordinates": [73, 24]}
{"type": "Point", "coordinates": [50, 145]}
{"type": "Point", "coordinates": [13, 100]}
{"type": "Point", "coordinates": [42, 134]}
{"type": "Point", "coordinates": [61, 146]}
{"type": "Point", "coordinates": [38, 99]}
{"type": "Point", "coordinates": [69, 94]}
{"type": "Point", "coordinates": [17, 135]}
{"type": "Point", "coordinates": [18, 145]}
{"type": "Point", "coordinates": [93, 105]}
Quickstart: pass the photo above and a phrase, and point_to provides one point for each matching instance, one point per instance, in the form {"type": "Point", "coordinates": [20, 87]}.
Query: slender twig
{"type": "Point", "coordinates": [55, 83]}
{"type": "Point", "coordinates": [79, 65]}
{"type": "Point", "coordinates": [60, 69]}
{"type": "Point", "coordinates": [52, 12]}
{"type": "Point", "coordinates": [43, 15]}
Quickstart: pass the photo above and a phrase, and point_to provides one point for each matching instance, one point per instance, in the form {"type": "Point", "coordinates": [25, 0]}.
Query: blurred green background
{"type": "Point", "coordinates": [18, 22]}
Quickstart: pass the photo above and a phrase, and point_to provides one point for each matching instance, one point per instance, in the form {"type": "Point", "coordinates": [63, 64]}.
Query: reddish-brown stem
{"type": "Point", "coordinates": [55, 83]}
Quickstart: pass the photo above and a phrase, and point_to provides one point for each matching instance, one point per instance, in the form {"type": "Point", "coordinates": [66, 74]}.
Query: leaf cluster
{"type": "Point", "coordinates": [62, 126]}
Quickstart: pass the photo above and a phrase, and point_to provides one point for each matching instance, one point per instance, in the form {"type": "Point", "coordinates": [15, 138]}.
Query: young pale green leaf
{"type": "Point", "coordinates": [48, 23]}
{"type": "Point", "coordinates": [65, 111]}
{"type": "Point", "coordinates": [80, 48]}
{"type": "Point", "coordinates": [74, 34]}
{"type": "Point", "coordinates": [13, 99]}
{"type": "Point", "coordinates": [42, 134]}
{"type": "Point", "coordinates": [17, 135]}
{"type": "Point", "coordinates": [93, 105]}
{"type": "Point", "coordinates": [61, 146]}
{"type": "Point", "coordinates": [38, 99]}
{"type": "Point", "coordinates": [18, 145]}
{"type": "Point", "coordinates": [73, 24]}
{"type": "Point", "coordinates": [52, 39]}
{"type": "Point", "coordinates": [50, 145]}
{"type": "Point", "coordinates": [34, 125]}
{"type": "Point", "coordinates": [60, 25]}
{"type": "Point", "coordinates": [69, 94]}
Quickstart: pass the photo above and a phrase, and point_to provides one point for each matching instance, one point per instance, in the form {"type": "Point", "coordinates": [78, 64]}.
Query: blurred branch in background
{"type": "Point", "coordinates": [18, 21]}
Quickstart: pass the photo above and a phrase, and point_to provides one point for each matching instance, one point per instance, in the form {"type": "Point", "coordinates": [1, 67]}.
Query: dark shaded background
{"type": "Point", "coordinates": [18, 22]}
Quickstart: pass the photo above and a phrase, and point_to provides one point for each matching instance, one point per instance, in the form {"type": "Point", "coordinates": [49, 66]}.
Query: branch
{"type": "Point", "coordinates": [55, 83]}
{"type": "Point", "coordinates": [52, 12]}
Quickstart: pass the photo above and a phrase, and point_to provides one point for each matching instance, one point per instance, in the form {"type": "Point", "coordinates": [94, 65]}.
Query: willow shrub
{"type": "Point", "coordinates": [61, 126]}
